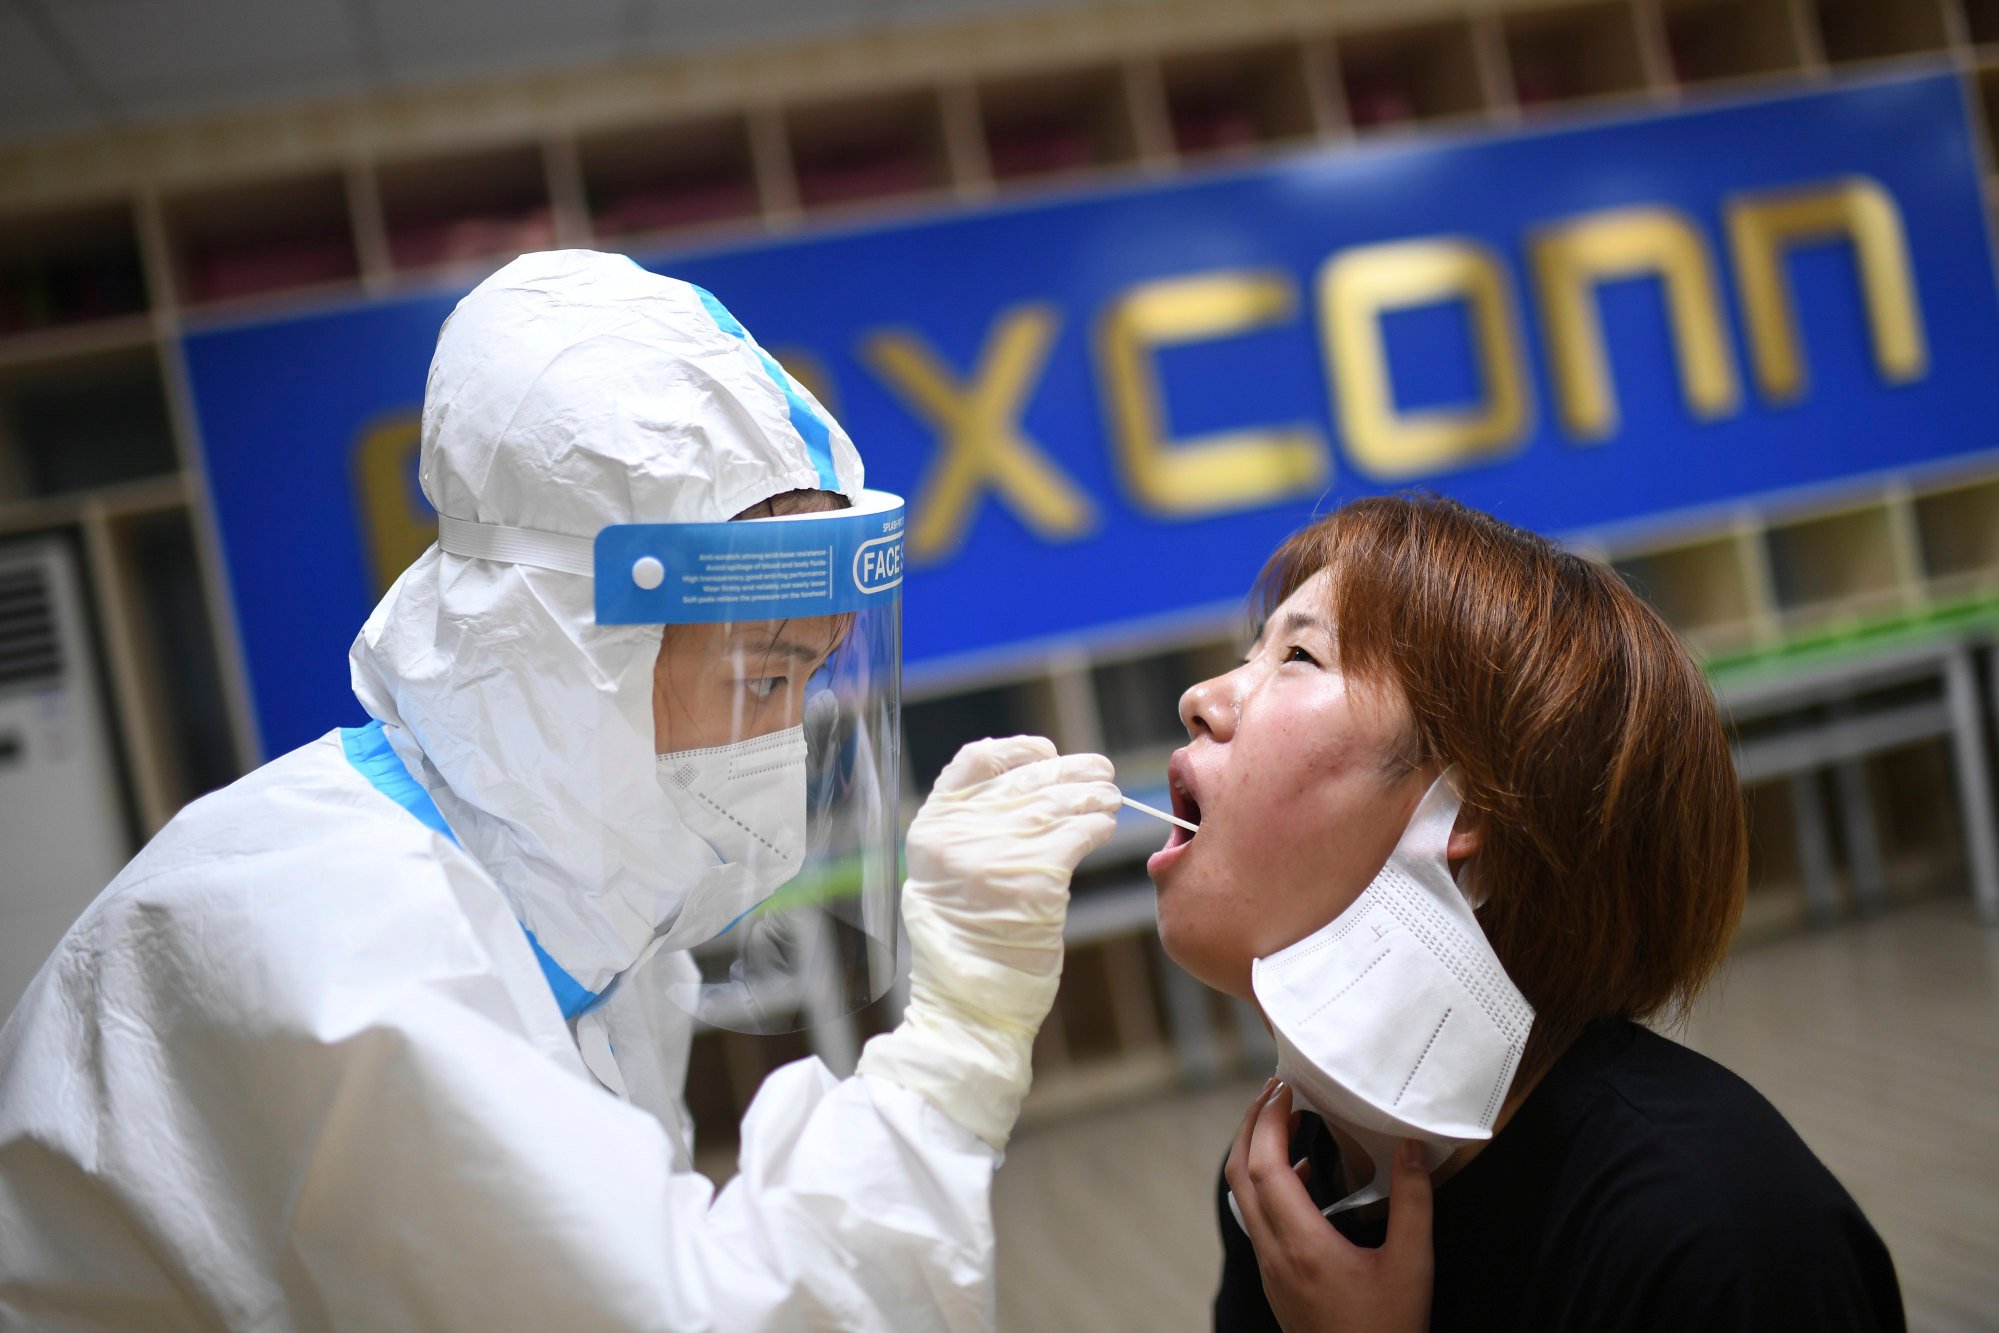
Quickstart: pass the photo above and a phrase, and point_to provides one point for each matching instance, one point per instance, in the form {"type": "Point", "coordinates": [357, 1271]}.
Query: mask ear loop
{"type": "Point", "coordinates": [1428, 837]}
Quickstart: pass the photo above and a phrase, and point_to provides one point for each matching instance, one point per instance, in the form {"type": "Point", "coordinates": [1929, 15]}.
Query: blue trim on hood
{"type": "Point", "coordinates": [570, 996]}
{"type": "Point", "coordinates": [811, 427]}
{"type": "Point", "coordinates": [368, 750]}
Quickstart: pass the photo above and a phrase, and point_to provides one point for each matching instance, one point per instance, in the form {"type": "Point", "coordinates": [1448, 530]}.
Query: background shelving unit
{"type": "Point", "coordinates": [1710, 40]}
{"type": "Point", "coordinates": [1981, 22]}
{"type": "Point", "coordinates": [1242, 100]}
{"type": "Point", "coordinates": [1056, 123]}
{"type": "Point", "coordinates": [1576, 53]}
{"type": "Point", "coordinates": [1421, 73]}
{"type": "Point", "coordinates": [1844, 565]}
{"type": "Point", "coordinates": [262, 238]}
{"type": "Point", "coordinates": [1958, 527]}
{"type": "Point", "coordinates": [98, 269]}
{"type": "Point", "coordinates": [1853, 30]}
{"type": "Point", "coordinates": [935, 726]}
{"type": "Point", "coordinates": [1986, 98]}
{"type": "Point", "coordinates": [451, 208]}
{"type": "Point", "coordinates": [1128, 694]}
{"type": "Point", "coordinates": [1714, 589]}
{"type": "Point", "coordinates": [860, 150]}
{"type": "Point", "coordinates": [652, 183]}
{"type": "Point", "coordinates": [85, 421]}
{"type": "Point", "coordinates": [70, 267]}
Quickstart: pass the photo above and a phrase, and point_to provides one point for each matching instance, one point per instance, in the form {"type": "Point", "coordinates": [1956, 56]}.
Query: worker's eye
{"type": "Point", "coordinates": [763, 687]}
{"type": "Point", "coordinates": [1298, 653]}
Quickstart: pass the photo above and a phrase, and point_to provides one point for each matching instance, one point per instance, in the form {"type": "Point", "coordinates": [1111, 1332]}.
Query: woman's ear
{"type": "Point", "coordinates": [1458, 858]}
{"type": "Point", "coordinates": [1465, 840]}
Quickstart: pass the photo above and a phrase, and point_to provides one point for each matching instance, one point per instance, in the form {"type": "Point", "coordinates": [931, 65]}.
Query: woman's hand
{"type": "Point", "coordinates": [1313, 1277]}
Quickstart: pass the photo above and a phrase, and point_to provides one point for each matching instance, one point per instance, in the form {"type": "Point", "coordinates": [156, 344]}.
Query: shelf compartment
{"type": "Point", "coordinates": [1913, 789]}
{"type": "Point", "coordinates": [165, 612]}
{"type": "Point", "coordinates": [1852, 30]}
{"type": "Point", "coordinates": [1138, 698]}
{"type": "Point", "coordinates": [1987, 88]}
{"type": "Point", "coordinates": [664, 178]}
{"type": "Point", "coordinates": [84, 422]}
{"type": "Point", "coordinates": [1703, 589]}
{"type": "Point", "coordinates": [69, 267]}
{"type": "Point", "coordinates": [1107, 1007]}
{"type": "Point", "coordinates": [1731, 39]}
{"type": "Point", "coordinates": [260, 238]}
{"type": "Point", "coordinates": [1393, 76]}
{"type": "Point", "coordinates": [1958, 531]}
{"type": "Point", "coordinates": [1775, 901]}
{"type": "Point", "coordinates": [446, 209]}
{"type": "Point", "coordinates": [1051, 124]}
{"type": "Point", "coordinates": [1981, 21]}
{"type": "Point", "coordinates": [1237, 100]}
{"type": "Point", "coordinates": [1845, 565]}
{"type": "Point", "coordinates": [933, 729]}
{"type": "Point", "coordinates": [1574, 54]}
{"type": "Point", "coordinates": [870, 148]}
{"type": "Point", "coordinates": [40, 514]}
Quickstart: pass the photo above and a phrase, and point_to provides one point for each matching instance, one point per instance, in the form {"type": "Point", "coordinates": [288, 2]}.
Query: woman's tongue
{"type": "Point", "coordinates": [1187, 808]}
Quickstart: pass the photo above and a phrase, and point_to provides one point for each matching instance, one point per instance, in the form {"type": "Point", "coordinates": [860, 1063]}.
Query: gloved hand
{"type": "Point", "coordinates": [990, 855]}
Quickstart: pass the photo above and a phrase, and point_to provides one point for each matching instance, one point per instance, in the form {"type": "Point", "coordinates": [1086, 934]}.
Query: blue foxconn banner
{"type": "Point", "coordinates": [1105, 409]}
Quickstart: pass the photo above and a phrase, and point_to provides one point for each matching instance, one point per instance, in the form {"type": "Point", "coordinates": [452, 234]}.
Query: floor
{"type": "Point", "coordinates": [1879, 1040]}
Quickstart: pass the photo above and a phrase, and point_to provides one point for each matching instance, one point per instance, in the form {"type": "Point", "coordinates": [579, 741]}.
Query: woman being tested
{"type": "Point", "coordinates": [1467, 815]}
{"type": "Point", "coordinates": [392, 1033]}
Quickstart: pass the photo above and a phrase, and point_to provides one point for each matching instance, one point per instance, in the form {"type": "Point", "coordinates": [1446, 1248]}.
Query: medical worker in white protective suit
{"type": "Point", "coordinates": [391, 1033]}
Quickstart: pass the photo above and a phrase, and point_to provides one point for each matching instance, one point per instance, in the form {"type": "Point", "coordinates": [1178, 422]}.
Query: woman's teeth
{"type": "Point", "coordinates": [1185, 807]}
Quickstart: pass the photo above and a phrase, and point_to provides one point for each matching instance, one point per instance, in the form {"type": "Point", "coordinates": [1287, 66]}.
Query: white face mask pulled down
{"type": "Point", "coordinates": [747, 802]}
{"type": "Point", "coordinates": [1395, 1020]}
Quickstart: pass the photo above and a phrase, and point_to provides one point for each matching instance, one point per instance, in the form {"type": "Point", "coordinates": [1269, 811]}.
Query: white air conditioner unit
{"type": "Point", "coordinates": [62, 827]}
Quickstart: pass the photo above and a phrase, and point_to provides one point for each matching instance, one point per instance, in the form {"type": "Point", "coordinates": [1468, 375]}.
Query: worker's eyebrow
{"type": "Point", "coordinates": [761, 644]}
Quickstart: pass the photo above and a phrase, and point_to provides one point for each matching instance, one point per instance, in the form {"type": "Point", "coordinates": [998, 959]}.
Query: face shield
{"type": "Point", "coordinates": [776, 708]}
{"type": "Point", "coordinates": [742, 799]}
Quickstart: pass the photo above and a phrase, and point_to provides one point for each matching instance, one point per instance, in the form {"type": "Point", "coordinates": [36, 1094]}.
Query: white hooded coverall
{"type": "Point", "coordinates": [300, 1067]}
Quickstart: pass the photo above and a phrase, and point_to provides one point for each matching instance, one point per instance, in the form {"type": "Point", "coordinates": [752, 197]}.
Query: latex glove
{"type": "Point", "coordinates": [990, 855]}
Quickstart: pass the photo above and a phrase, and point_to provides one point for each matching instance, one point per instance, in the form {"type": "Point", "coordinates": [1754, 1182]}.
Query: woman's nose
{"type": "Point", "coordinates": [1208, 709]}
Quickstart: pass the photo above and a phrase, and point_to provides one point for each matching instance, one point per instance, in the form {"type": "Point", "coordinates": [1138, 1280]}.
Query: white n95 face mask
{"type": "Point", "coordinates": [747, 802]}
{"type": "Point", "coordinates": [1395, 1020]}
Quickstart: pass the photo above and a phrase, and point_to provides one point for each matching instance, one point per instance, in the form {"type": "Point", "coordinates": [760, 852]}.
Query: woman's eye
{"type": "Point", "coordinates": [764, 687]}
{"type": "Point", "coordinates": [1298, 654]}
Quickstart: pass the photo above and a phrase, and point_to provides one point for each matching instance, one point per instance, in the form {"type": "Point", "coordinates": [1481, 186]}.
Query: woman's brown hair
{"type": "Point", "coordinates": [1612, 849]}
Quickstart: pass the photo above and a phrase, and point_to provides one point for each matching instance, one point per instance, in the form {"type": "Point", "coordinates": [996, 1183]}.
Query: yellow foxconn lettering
{"type": "Point", "coordinates": [1573, 256]}
{"type": "Point", "coordinates": [1358, 286]}
{"type": "Point", "coordinates": [981, 446]}
{"type": "Point", "coordinates": [810, 371]}
{"type": "Point", "coordinates": [978, 425]}
{"type": "Point", "coordinates": [1212, 473]}
{"type": "Point", "coordinates": [1762, 227]}
{"type": "Point", "coordinates": [396, 525]}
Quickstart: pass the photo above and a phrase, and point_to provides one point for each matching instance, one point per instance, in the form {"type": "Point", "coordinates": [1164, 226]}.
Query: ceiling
{"type": "Point", "coordinates": [83, 65]}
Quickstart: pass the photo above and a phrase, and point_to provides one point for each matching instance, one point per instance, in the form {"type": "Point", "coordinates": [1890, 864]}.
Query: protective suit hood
{"type": "Point", "coordinates": [569, 392]}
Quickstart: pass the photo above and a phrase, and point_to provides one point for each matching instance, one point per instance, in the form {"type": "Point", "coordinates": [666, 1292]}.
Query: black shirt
{"type": "Point", "coordinates": [1639, 1186]}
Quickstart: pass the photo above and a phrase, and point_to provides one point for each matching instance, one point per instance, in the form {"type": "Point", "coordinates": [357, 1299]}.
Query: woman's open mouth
{"type": "Point", "coordinates": [1184, 807]}
{"type": "Point", "coordinates": [1187, 806]}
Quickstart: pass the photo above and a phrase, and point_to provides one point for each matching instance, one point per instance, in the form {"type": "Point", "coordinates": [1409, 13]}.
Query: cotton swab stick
{"type": "Point", "coordinates": [1144, 809]}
